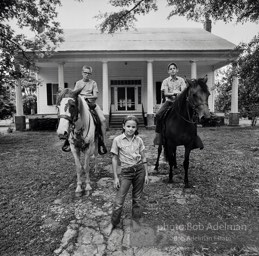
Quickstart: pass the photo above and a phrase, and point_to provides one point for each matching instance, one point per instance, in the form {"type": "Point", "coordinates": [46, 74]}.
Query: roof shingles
{"type": "Point", "coordinates": [165, 39]}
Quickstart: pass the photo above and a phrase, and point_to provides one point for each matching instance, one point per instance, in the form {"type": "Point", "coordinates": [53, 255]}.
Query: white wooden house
{"type": "Point", "coordinates": [130, 66]}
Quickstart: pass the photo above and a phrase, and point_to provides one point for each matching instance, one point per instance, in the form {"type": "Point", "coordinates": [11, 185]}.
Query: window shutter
{"type": "Point", "coordinates": [49, 94]}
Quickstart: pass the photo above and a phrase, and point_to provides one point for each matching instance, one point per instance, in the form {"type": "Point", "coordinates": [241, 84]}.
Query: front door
{"type": "Point", "coordinates": [126, 98]}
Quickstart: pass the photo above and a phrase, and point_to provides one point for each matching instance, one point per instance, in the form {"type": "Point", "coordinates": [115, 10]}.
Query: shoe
{"type": "Point", "coordinates": [66, 146]}
{"type": "Point", "coordinates": [157, 139]}
{"type": "Point", "coordinates": [102, 150]}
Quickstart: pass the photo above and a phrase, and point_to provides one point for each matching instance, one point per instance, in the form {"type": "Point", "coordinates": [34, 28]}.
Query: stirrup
{"type": "Point", "coordinates": [66, 146]}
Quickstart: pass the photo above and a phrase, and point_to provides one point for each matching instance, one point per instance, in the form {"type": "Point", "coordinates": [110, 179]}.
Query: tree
{"type": "Point", "coordinates": [198, 10]}
{"type": "Point", "coordinates": [19, 52]}
{"type": "Point", "coordinates": [7, 107]}
{"type": "Point", "coordinates": [223, 83]}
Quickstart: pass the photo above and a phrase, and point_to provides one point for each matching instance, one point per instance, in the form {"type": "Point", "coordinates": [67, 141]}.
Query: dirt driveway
{"type": "Point", "coordinates": [219, 216]}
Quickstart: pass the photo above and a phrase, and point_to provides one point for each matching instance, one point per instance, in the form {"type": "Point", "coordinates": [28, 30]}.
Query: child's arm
{"type": "Point", "coordinates": [115, 168]}
{"type": "Point", "coordinates": [144, 161]}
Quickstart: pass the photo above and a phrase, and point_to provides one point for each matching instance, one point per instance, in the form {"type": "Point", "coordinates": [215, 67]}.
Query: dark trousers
{"type": "Point", "coordinates": [134, 175]}
{"type": "Point", "coordinates": [160, 113]}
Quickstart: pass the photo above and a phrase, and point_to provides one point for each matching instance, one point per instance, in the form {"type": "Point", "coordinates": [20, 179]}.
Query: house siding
{"type": "Point", "coordinates": [121, 70]}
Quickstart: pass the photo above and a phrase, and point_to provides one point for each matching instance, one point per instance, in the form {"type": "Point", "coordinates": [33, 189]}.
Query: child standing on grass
{"type": "Point", "coordinates": [128, 149]}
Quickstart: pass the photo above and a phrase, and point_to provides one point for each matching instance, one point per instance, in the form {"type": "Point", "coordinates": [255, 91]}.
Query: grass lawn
{"type": "Point", "coordinates": [35, 173]}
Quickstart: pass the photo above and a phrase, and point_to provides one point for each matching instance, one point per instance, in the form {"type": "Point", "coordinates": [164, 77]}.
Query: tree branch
{"type": "Point", "coordinates": [128, 12]}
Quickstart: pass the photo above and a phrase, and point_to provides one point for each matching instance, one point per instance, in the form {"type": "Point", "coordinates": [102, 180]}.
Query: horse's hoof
{"type": "Point", "coordinates": [78, 194]}
{"type": "Point", "coordinates": [87, 192]}
{"type": "Point", "coordinates": [186, 186]}
{"type": "Point", "coordinates": [156, 169]}
{"type": "Point", "coordinates": [170, 181]}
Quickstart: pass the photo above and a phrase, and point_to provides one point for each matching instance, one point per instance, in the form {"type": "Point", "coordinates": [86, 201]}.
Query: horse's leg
{"type": "Point", "coordinates": [76, 154]}
{"type": "Point", "coordinates": [87, 172]}
{"type": "Point", "coordinates": [172, 162]}
{"type": "Point", "coordinates": [159, 150]}
{"type": "Point", "coordinates": [186, 166]}
{"type": "Point", "coordinates": [174, 159]}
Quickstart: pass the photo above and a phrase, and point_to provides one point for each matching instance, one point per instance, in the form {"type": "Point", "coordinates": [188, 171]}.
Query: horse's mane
{"type": "Point", "coordinates": [203, 84]}
{"type": "Point", "coordinates": [64, 93]}
{"type": "Point", "coordinates": [193, 83]}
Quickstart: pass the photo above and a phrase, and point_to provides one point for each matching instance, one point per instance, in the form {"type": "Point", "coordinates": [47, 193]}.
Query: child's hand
{"type": "Point", "coordinates": [146, 179]}
{"type": "Point", "coordinates": [116, 183]}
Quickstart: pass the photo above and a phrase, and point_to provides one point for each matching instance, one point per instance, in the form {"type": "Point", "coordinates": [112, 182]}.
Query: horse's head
{"type": "Point", "coordinates": [68, 111]}
{"type": "Point", "coordinates": [198, 95]}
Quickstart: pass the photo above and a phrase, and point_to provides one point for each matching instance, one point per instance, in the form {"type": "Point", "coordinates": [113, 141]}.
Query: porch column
{"type": "Point", "coordinates": [234, 114]}
{"type": "Point", "coordinates": [105, 100]}
{"type": "Point", "coordinates": [211, 80]}
{"type": "Point", "coordinates": [150, 103]}
{"type": "Point", "coordinates": [193, 69]}
{"type": "Point", "coordinates": [61, 75]}
{"type": "Point", "coordinates": [20, 123]}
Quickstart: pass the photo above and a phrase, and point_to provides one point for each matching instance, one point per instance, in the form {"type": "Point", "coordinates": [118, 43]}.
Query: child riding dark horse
{"type": "Point", "coordinates": [170, 88]}
{"type": "Point", "coordinates": [180, 123]}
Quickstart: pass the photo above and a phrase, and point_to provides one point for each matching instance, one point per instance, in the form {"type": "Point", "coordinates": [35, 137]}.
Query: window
{"type": "Point", "coordinates": [112, 95]}
{"type": "Point", "coordinates": [52, 91]}
{"type": "Point", "coordinates": [139, 95]}
{"type": "Point", "coordinates": [125, 82]}
{"type": "Point", "coordinates": [158, 92]}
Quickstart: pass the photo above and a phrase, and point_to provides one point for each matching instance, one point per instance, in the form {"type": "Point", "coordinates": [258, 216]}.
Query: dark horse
{"type": "Point", "coordinates": [180, 124]}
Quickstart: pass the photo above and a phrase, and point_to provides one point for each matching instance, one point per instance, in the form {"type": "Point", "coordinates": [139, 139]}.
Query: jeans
{"type": "Point", "coordinates": [134, 175]}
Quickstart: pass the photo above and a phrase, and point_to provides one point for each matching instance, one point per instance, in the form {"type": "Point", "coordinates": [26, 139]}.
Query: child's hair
{"type": "Point", "coordinates": [171, 64]}
{"type": "Point", "coordinates": [128, 118]}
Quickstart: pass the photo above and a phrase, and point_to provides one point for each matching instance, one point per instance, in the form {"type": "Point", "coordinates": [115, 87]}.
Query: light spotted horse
{"type": "Point", "coordinates": [77, 125]}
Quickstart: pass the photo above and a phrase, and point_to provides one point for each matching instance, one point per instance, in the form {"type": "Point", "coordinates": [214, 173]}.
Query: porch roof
{"type": "Point", "coordinates": [149, 39]}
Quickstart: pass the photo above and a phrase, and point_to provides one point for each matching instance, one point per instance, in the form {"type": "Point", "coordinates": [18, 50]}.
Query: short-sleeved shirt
{"type": "Point", "coordinates": [127, 150]}
{"type": "Point", "coordinates": [90, 87]}
{"type": "Point", "coordinates": [171, 85]}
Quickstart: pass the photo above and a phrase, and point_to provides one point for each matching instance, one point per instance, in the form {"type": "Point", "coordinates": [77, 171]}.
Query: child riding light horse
{"type": "Point", "coordinates": [77, 126]}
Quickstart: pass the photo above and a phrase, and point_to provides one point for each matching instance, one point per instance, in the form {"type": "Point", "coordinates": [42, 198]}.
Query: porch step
{"type": "Point", "coordinates": [116, 120]}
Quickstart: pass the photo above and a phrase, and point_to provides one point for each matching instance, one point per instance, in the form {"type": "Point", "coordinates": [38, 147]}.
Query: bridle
{"type": "Point", "coordinates": [194, 108]}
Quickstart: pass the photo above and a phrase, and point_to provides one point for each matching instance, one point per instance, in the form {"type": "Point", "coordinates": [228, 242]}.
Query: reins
{"type": "Point", "coordinates": [189, 117]}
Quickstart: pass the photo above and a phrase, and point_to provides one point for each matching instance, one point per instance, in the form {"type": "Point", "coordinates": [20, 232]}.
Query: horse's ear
{"type": "Point", "coordinates": [205, 79]}
{"type": "Point", "coordinates": [188, 82]}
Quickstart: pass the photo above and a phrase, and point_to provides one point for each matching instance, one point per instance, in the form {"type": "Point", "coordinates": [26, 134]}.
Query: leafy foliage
{"type": "Point", "coordinates": [198, 10]}
{"type": "Point", "coordinates": [224, 87]}
{"type": "Point", "coordinates": [247, 69]}
{"type": "Point", "coordinates": [125, 18]}
{"type": "Point", "coordinates": [7, 107]}
{"type": "Point", "coordinates": [19, 51]}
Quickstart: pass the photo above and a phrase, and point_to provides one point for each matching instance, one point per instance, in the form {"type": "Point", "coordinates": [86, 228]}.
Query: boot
{"type": "Point", "coordinates": [101, 146]}
{"type": "Point", "coordinates": [157, 139]}
{"type": "Point", "coordinates": [197, 143]}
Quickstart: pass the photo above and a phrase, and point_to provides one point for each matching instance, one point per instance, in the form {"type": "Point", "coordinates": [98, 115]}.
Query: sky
{"type": "Point", "coordinates": [74, 14]}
